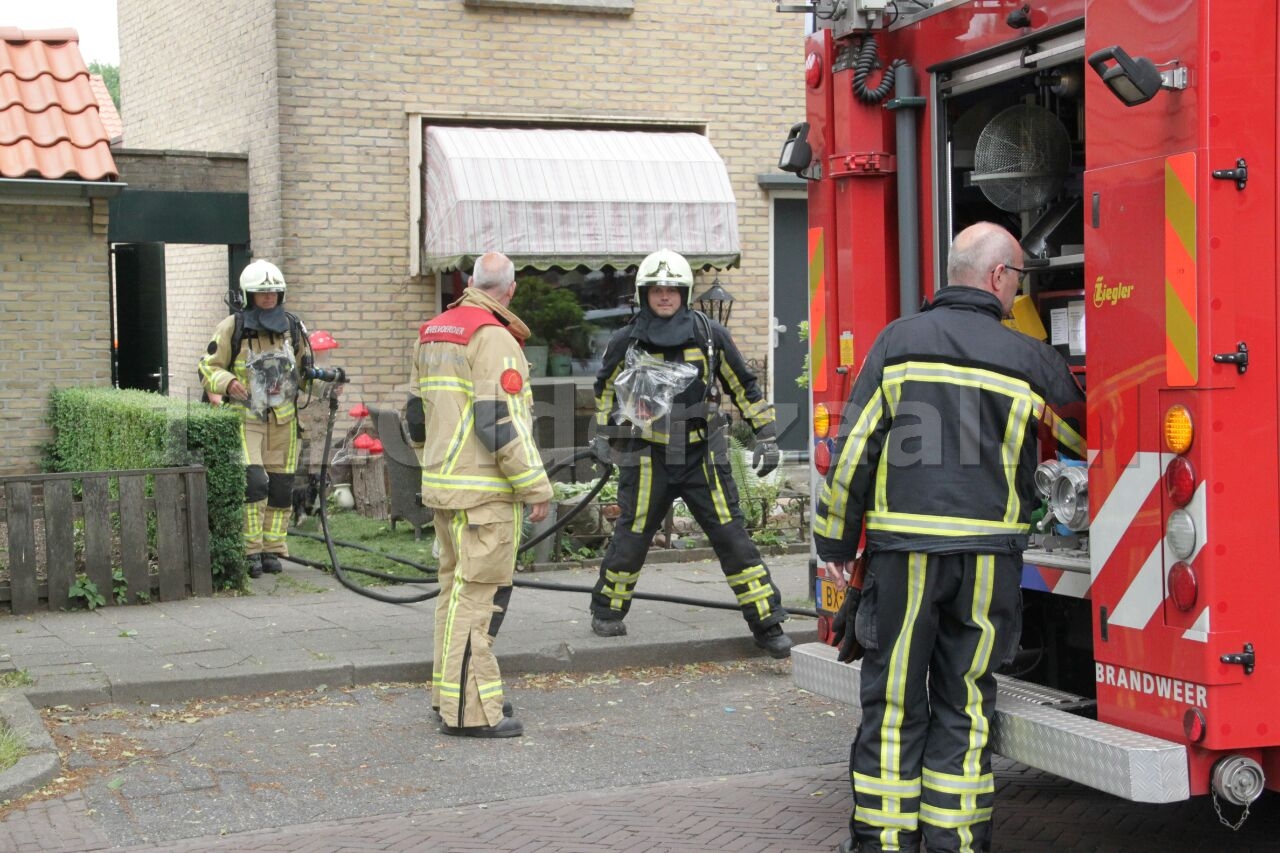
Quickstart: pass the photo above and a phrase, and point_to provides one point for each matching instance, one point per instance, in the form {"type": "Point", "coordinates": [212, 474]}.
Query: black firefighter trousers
{"type": "Point", "coordinates": [649, 479]}
{"type": "Point", "coordinates": [935, 628]}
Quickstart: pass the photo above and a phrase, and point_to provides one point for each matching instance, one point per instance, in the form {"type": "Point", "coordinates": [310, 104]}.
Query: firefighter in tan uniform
{"type": "Point", "coordinates": [255, 362]}
{"type": "Point", "coordinates": [480, 469]}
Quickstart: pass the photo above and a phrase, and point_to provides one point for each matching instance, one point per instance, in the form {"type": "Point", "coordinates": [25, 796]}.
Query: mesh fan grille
{"type": "Point", "coordinates": [1021, 158]}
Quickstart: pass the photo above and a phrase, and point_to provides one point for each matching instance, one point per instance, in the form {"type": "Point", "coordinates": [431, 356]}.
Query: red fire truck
{"type": "Point", "coordinates": [1132, 146]}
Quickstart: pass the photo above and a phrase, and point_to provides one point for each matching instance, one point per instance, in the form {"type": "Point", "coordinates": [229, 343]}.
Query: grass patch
{"type": "Point", "coordinates": [12, 747]}
{"type": "Point", "coordinates": [369, 533]}
{"type": "Point", "coordinates": [16, 678]}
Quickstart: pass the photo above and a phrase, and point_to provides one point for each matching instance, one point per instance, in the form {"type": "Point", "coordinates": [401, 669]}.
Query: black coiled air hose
{"type": "Point", "coordinates": [869, 60]}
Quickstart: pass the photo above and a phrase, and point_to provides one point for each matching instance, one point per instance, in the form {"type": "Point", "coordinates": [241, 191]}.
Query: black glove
{"type": "Point", "coordinates": [601, 450]}
{"type": "Point", "coordinates": [764, 459]}
{"type": "Point", "coordinates": [842, 633]}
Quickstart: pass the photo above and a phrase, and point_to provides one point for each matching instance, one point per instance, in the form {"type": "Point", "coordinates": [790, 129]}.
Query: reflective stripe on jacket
{"type": "Point", "coordinates": [472, 377]}
{"type": "Point", "coordinates": [937, 446]}
{"type": "Point", "coordinates": [688, 420]}
{"type": "Point", "coordinates": [220, 366]}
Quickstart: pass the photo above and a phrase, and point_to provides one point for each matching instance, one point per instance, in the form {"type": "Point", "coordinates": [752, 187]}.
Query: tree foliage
{"type": "Point", "coordinates": [110, 76]}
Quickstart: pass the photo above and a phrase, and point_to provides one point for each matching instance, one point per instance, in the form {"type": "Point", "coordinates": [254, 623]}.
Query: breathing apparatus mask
{"type": "Point", "coordinates": [273, 378]}
{"type": "Point", "coordinates": [647, 387]}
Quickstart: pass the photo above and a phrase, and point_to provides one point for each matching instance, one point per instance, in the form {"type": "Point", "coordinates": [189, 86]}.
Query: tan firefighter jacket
{"type": "Point", "coordinates": [220, 365]}
{"type": "Point", "coordinates": [473, 379]}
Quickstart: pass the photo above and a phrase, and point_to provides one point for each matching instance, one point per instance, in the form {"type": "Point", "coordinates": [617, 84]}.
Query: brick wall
{"type": "Point", "coordinates": [327, 126]}
{"type": "Point", "coordinates": [202, 77]}
{"type": "Point", "coordinates": [195, 284]}
{"type": "Point", "coordinates": [57, 325]}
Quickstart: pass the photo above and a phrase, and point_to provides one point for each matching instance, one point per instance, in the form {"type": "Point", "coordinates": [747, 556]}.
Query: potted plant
{"type": "Point", "coordinates": [556, 324]}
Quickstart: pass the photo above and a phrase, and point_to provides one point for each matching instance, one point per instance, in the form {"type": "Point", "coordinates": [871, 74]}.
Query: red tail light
{"type": "Point", "coordinates": [1183, 586]}
{"type": "Point", "coordinates": [822, 456]}
{"type": "Point", "coordinates": [1180, 481]}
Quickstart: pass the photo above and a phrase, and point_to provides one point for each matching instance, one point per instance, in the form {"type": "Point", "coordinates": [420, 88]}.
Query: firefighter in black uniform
{"type": "Point", "coordinates": [676, 447]}
{"type": "Point", "coordinates": [936, 457]}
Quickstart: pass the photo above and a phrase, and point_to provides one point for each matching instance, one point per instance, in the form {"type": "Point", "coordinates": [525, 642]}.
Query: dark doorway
{"type": "Point", "coordinates": [141, 338]}
{"type": "Point", "coordinates": [791, 308]}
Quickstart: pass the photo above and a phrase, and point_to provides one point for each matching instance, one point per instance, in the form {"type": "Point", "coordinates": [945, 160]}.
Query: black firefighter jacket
{"type": "Point", "coordinates": [688, 421]}
{"type": "Point", "coordinates": [937, 448]}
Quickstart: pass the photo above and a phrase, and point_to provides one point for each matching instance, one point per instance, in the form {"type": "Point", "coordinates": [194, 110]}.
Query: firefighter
{"type": "Point", "coordinates": [677, 447]}
{"type": "Point", "coordinates": [936, 458]}
{"type": "Point", "coordinates": [480, 469]}
{"type": "Point", "coordinates": [255, 362]}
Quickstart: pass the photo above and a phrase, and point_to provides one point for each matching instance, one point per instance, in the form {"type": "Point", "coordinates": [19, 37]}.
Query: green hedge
{"type": "Point", "coordinates": [110, 429]}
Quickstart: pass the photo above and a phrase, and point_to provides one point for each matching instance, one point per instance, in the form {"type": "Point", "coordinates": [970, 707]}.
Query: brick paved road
{"type": "Point", "coordinates": [718, 752]}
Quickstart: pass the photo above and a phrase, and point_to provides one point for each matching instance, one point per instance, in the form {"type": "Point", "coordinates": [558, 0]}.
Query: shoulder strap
{"type": "Point", "coordinates": [237, 335]}
{"type": "Point", "coordinates": [297, 333]}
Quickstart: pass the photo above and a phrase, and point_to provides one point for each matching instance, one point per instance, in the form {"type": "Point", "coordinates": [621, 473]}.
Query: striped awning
{"type": "Point", "coordinates": [567, 198]}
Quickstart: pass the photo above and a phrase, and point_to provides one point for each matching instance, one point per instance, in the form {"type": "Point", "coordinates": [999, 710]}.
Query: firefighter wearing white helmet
{"type": "Point", "coordinates": [657, 419]}
{"type": "Point", "coordinates": [255, 362]}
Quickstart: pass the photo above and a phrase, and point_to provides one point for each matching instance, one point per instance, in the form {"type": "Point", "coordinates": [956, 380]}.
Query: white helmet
{"type": "Point", "coordinates": [666, 268]}
{"type": "Point", "coordinates": [261, 277]}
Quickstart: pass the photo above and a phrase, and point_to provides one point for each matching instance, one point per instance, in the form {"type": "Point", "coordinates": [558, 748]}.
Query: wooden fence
{"type": "Point", "coordinates": [51, 535]}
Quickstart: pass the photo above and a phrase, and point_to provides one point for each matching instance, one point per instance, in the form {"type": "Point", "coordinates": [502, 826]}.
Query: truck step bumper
{"type": "Point", "coordinates": [1030, 727]}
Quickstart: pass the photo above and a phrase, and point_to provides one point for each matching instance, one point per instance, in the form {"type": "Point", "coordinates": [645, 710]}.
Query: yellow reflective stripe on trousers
{"type": "Point", "coordinates": [718, 499]}
{"type": "Point", "coordinates": [643, 494]}
{"type": "Point", "coordinates": [617, 586]}
{"type": "Point", "coordinates": [895, 699]}
{"type": "Point", "coordinates": [457, 525]}
{"type": "Point", "coordinates": [490, 688]}
{"type": "Point", "coordinates": [902, 789]}
{"type": "Point", "coordinates": [835, 490]}
{"type": "Point", "coordinates": [953, 818]}
{"type": "Point", "coordinates": [950, 783]}
{"type": "Point", "coordinates": [887, 820]}
{"type": "Point", "coordinates": [983, 584]}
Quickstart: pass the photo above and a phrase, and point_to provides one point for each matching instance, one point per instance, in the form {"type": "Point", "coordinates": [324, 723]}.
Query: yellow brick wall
{"type": "Point", "coordinates": [195, 284]}
{"type": "Point", "coordinates": [202, 77]}
{"type": "Point", "coordinates": [349, 75]}
{"type": "Point", "coordinates": [57, 325]}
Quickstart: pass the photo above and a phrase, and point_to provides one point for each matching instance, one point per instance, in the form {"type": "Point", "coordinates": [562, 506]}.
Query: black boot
{"type": "Point", "coordinates": [508, 727]}
{"type": "Point", "coordinates": [773, 641]}
{"type": "Point", "coordinates": [608, 627]}
{"type": "Point", "coordinates": [271, 564]}
{"type": "Point", "coordinates": [255, 565]}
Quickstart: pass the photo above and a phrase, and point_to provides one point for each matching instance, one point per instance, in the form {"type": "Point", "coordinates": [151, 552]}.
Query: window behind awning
{"type": "Point", "coordinates": [567, 198]}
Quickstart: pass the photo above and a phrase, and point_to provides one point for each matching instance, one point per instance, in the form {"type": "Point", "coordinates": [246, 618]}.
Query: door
{"type": "Point", "coordinates": [790, 309]}
{"type": "Point", "coordinates": [141, 338]}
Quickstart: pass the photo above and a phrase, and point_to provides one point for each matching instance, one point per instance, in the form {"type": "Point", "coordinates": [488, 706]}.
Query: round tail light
{"type": "Point", "coordinates": [1180, 481]}
{"type": "Point", "coordinates": [822, 456]}
{"type": "Point", "coordinates": [821, 421]}
{"type": "Point", "coordinates": [1183, 586]}
{"type": "Point", "coordinates": [1178, 430]}
{"type": "Point", "coordinates": [1180, 534]}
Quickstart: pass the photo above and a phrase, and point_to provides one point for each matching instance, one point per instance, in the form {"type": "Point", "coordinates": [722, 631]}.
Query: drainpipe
{"type": "Point", "coordinates": [905, 103]}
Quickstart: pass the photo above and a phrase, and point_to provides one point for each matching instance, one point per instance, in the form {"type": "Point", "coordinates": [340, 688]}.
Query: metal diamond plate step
{"type": "Point", "coordinates": [1028, 728]}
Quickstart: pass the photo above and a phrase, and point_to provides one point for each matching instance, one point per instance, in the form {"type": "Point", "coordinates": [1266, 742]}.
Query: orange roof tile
{"type": "Point", "coordinates": [50, 120]}
{"type": "Point", "coordinates": [107, 108]}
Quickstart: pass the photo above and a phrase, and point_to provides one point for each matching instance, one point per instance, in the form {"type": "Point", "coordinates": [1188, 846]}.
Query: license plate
{"type": "Point", "coordinates": [829, 596]}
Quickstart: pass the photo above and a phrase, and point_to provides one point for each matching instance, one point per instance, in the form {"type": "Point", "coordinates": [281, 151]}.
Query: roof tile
{"type": "Point", "coordinates": [50, 124]}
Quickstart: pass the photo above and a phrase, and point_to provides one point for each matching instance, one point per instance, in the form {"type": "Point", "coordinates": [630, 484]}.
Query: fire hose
{"type": "Point", "coordinates": [429, 575]}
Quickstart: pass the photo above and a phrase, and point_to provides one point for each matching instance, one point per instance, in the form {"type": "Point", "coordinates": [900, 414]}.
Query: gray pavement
{"type": "Point", "coordinates": [301, 629]}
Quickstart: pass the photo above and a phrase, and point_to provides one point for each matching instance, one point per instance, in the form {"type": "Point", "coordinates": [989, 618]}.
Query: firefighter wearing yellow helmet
{"type": "Point", "coordinates": [657, 396]}
{"type": "Point", "coordinates": [254, 361]}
